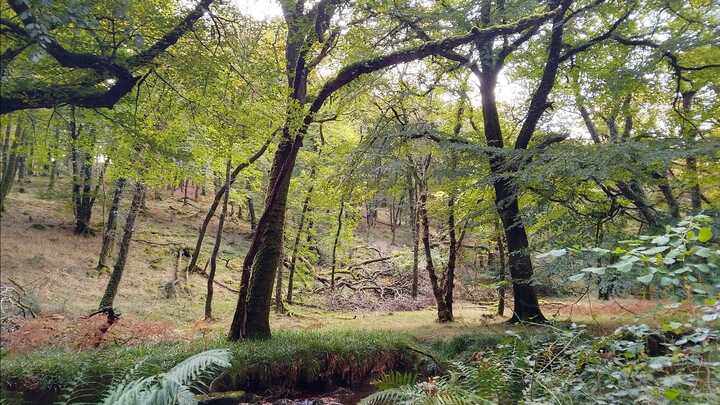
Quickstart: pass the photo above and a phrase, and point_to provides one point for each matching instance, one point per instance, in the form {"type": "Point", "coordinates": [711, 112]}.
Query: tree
{"type": "Point", "coordinates": [101, 77]}
{"type": "Point", "coordinates": [305, 29]}
{"type": "Point", "coordinates": [108, 297]}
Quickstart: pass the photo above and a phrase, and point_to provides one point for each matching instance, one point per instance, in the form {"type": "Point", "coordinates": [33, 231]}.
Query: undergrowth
{"type": "Point", "coordinates": [288, 359]}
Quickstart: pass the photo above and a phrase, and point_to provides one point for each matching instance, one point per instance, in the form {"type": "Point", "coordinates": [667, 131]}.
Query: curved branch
{"type": "Point", "coordinates": [114, 78]}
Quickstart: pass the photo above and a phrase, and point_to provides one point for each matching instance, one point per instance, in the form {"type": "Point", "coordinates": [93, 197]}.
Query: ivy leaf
{"type": "Point", "coordinates": [661, 240]}
{"type": "Point", "coordinates": [705, 234]}
{"type": "Point", "coordinates": [646, 279]}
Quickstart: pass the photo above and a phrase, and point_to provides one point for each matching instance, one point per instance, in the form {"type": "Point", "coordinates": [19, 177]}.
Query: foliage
{"type": "Point", "coordinates": [171, 387]}
{"type": "Point", "coordinates": [685, 258]}
{"type": "Point", "coordinates": [285, 359]}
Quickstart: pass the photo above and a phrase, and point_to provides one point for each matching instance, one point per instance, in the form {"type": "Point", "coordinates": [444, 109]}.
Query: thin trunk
{"type": "Point", "coordinates": [216, 201]}
{"type": "Point", "coordinates": [5, 150]}
{"type": "Point", "coordinates": [442, 309]}
{"type": "Point", "coordinates": [117, 273]}
{"type": "Point", "coordinates": [21, 172]}
{"type": "Point", "coordinates": [666, 190]}
{"type": "Point", "coordinates": [109, 233]}
{"type": "Point", "coordinates": [448, 285]}
{"type": "Point", "coordinates": [691, 161]}
{"type": "Point", "coordinates": [218, 242]}
{"type": "Point", "coordinates": [501, 269]}
{"type": "Point", "coordinates": [335, 243]}
{"type": "Point", "coordinates": [53, 174]}
{"type": "Point", "coordinates": [251, 207]}
{"type": "Point", "coordinates": [414, 223]}
{"type": "Point", "coordinates": [278, 286]}
{"type": "Point", "coordinates": [393, 221]}
{"type": "Point", "coordinates": [296, 243]}
{"type": "Point", "coordinates": [10, 169]}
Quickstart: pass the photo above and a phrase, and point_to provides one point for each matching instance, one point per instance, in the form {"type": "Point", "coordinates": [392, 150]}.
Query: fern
{"type": "Point", "coordinates": [395, 379]}
{"type": "Point", "coordinates": [169, 388]}
{"type": "Point", "coordinates": [465, 384]}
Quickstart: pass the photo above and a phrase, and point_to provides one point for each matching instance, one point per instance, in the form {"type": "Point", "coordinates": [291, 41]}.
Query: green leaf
{"type": "Point", "coordinates": [656, 250]}
{"type": "Point", "coordinates": [661, 240]}
{"type": "Point", "coordinates": [576, 277]}
{"type": "Point", "coordinates": [703, 252]}
{"type": "Point", "coordinates": [705, 234]}
{"type": "Point", "coordinates": [553, 253]}
{"type": "Point", "coordinates": [595, 270]}
{"type": "Point", "coordinates": [666, 281]}
{"type": "Point", "coordinates": [671, 394]}
{"type": "Point", "coordinates": [646, 279]}
{"type": "Point", "coordinates": [691, 235]}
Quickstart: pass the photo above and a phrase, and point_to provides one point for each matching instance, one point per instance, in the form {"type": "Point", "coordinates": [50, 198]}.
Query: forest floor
{"type": "Point", "coordinates": [55, 268]}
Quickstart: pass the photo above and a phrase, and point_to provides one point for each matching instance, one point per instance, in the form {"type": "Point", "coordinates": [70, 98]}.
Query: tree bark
{"type": "Point", "coordinates": [501, 268]}
{"type": "Point", "coordinates": [691, 161]}
{"type": "Point", "coordinates": [333, 260]}
{"type": "Point", "coordinates": [444, 312]}
{"type": "Point", "coordinates": [252, 314]}
{"type": "Point", "coordinates": [10, 166]}
{"type": "Point", "coordinates": [414, 223]}
{"type": "Point", "coordinates": [109, 233]}
{"type": "Point", "coordinates": [117, 273]}
{"type": "Point", "coordinates": [218, 243]}
{"type": "Point", "coordinates": [251, 208]}
{"type": "Point", "coordinates": [296, 242]}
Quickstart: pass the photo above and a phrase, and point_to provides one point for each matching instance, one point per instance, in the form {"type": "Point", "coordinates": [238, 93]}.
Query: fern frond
{"type": "Point", "coordinates": [395, 379]}
{"type": "Point", "coordinates": [195, 366]}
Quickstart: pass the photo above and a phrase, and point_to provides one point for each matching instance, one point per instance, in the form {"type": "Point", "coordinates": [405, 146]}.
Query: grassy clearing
{"type": "Point", "coordinates": [295, 360]}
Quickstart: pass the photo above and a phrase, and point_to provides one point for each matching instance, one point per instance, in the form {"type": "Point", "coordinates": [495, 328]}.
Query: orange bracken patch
{"type": "Point", "coordinates": [84, 333]}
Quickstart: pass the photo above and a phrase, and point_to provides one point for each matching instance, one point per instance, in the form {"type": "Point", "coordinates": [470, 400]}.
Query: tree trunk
{"type": "Point", "coordinates": [10, 166]}
{"type": "Point", "coordinates": [117, 273]}
{"type": "Point", "coordinates": [278, 286]}
{"type": "Point", "coordinates": [109, 233]}
{"type": "Point", "coordinates": [218, 242]}
{"type": "Point", "coordinates": [216, 201]}
{"type": "Point", "coordinates": [251, 207]}
{"type": "Point", "coordinates": [666, 190]}
{"type": "Point", "coordinates": [335, 243]}
{"type": "Point", "coordinates": [444, 313]}
{"type": "Point", "coordinates": [414, 223]}
{"type": "Point", "coordinates": [252, 314]}
{"type": "Point", "coordinates": [449, 283]}
{"type": "Point", "coordinates": [296, 243]}
{"type": "Point", "coordinates": [501, 268]}
{"type": "Point", "coordinates": [691, 161]}
{"type": "Point", "coordinates": [526, 305]}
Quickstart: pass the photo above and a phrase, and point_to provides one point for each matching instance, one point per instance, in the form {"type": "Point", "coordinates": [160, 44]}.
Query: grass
{"type": "Point", "coordinates": [293, 360]}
